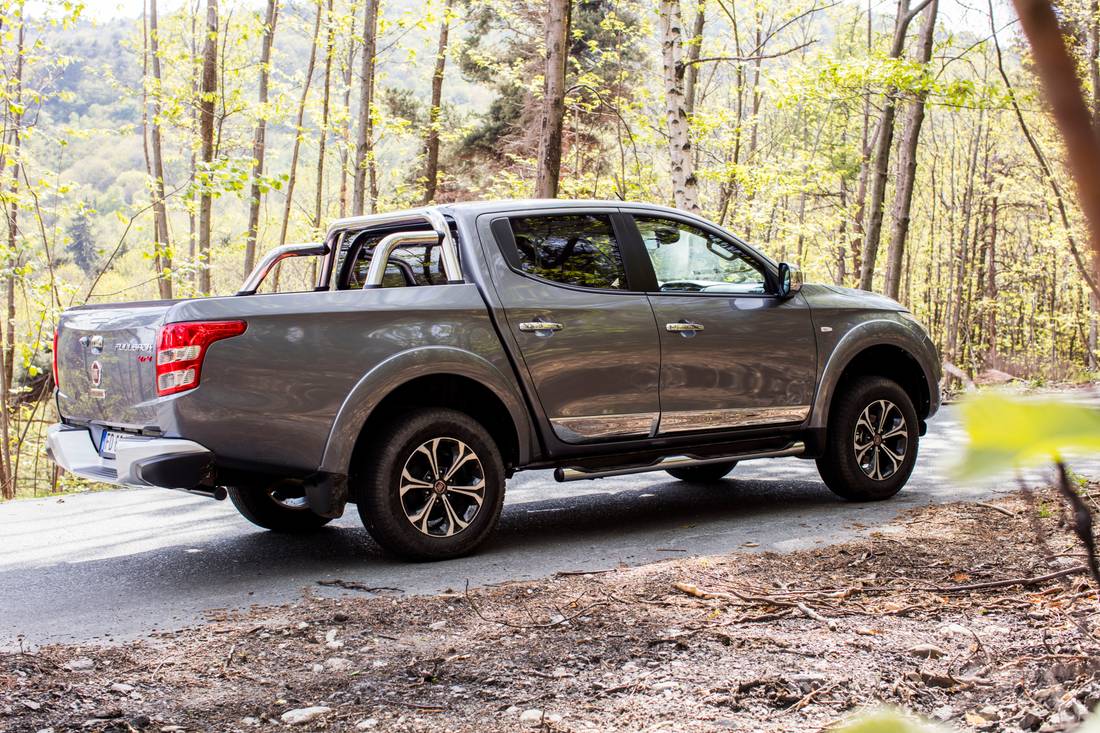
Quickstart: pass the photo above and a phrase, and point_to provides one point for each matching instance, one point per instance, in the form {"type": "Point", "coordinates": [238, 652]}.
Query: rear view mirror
{"type": "Point", "coordinates": [790, 280]}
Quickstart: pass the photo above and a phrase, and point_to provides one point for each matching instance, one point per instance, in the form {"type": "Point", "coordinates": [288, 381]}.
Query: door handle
{"type": "Point", "coordinates": [540, 326]}
{"type": "Point", "coordinates": [683, 327]}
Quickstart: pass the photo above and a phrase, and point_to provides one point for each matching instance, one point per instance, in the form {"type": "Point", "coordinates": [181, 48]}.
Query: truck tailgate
{"type": "Point", "coordinates": [106, 361]}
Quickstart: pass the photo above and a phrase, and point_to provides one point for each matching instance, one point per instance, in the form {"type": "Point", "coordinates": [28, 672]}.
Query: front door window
{"type": "Point", "coordinates": [689, 260]}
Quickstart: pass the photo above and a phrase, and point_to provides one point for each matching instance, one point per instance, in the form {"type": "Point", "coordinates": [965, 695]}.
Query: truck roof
{"type": "Point", "coordinates": [474, 208]}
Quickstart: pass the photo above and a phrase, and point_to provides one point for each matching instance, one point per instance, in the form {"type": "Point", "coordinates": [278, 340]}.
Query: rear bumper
{"type": "Point", "coordinates": [171, 463]}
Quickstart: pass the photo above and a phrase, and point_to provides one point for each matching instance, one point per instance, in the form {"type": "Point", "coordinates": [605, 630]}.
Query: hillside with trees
{"type": "Point", "coordinates": [878, 146]}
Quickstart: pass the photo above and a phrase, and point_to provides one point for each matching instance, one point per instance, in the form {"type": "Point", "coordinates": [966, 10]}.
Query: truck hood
{"type": "Point", "coordinates": [858, 298]}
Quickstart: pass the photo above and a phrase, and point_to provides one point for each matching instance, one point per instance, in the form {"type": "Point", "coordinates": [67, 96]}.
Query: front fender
{"type": "Point", "coordinates": [401, 368]}
{"type": "Point", "coordinates": [879, 330]}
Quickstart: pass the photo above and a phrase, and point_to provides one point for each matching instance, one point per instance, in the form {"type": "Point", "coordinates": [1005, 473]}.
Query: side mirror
{"type": "Point", "coordinates": [790, 280]}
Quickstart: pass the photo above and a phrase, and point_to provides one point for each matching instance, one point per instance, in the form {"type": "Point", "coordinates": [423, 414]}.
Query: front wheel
{"type": "Point", "coordinates": [433, 488]}
{"type": "Point", "coordinates": [281, 507]}
{"type": "Point", "coordinates": [871, 444]}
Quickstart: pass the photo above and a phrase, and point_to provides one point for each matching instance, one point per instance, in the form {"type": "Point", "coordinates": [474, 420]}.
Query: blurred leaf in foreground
{"type": "Point", "coordinates": [1007, 433]}
{"type": "Point", "coordinates": [888, 721]}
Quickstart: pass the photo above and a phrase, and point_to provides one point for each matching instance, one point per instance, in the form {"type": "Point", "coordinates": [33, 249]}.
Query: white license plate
{"type": "Point", "coordinates": [108, 443]}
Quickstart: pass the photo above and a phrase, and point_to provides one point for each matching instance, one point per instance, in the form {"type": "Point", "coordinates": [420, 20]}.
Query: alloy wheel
{"type": "Point", "coordinates": [881, 440]}
{"type": "Point", "coordinates": [442, 487]}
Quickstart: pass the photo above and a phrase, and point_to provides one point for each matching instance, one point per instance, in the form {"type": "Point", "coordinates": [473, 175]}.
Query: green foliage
{"type": "Point", "coordinates": [888, 721]}
{"type": "Point", "coordinates": [1007, 433]}
{"type": "Point", "coordinates": [81, 242]}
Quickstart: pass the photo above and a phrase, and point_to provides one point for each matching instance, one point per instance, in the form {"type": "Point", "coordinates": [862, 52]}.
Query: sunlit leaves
{"type": "Point", "coordinates": [1006, 433]}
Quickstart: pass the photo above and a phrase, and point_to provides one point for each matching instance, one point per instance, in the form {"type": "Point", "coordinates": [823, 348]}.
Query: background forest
{"type": "Point", "coordinates": [881, 146]}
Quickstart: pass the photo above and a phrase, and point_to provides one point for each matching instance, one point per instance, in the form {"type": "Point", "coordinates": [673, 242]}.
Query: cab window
{"type": "Point", "coordinates": [687, 259]}
{"type": "Point", "coordinates": [573, 249]}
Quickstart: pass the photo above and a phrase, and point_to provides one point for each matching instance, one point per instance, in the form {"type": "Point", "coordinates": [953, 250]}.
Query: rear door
{"type": "Point", "coordinates": [734, 355]}
{"type": "Point", "coordinates": [587, 338]}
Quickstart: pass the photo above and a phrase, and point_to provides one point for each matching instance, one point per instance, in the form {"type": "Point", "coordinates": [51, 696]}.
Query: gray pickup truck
{"type": "Point", "coordinates": [443, 349]}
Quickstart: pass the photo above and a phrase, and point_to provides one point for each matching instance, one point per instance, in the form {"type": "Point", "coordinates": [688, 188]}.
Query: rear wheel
{"type": "Point", "coordinates": [434, 488]}
{"type": "Point", "coordinates": [871, 444]}
{"type": "Point", "coordinates": [280, 507]}
{"type": "Point", "coordinates": [705, 474]}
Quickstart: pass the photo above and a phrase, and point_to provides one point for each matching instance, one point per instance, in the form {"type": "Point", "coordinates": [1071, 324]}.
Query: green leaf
{"type": "Point", "coordinates": [887, 721]}
{"type": "Point", "coordinates": [1007, 433]}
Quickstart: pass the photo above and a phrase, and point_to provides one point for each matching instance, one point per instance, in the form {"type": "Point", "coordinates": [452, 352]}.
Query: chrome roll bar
{"type": "Point", "coordinates": [382, 251]}
{"type": "Point", "coordinates": [272, 258]}
{"type": "Point", "coordinates": [342, 228]}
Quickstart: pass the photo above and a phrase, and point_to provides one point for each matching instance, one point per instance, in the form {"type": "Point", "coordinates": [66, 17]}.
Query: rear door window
{"type": "Point", "coordinates": [573, 249]}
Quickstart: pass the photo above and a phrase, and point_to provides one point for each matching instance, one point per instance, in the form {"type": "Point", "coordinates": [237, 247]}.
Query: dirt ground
{"type": "Point", "coordinates": [923, 614]}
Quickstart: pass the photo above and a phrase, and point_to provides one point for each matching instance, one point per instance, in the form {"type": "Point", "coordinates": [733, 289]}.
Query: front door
{"type": "Point", "coordinates": [588, 342]}
{"type": "Point", "coordinates": [734, 354]}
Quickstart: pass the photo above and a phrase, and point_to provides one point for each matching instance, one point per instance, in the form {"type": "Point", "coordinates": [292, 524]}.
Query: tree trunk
{"type": "Point", "coordinates": [259, 136]}
{"type": "Point", "coordinates": [882, 150]}
{"type": "Point", "coordinates": [691, 75]}
{"type": "Point", "coordinates": [685, 191]}
{"type": "Point", "coordinates": [553, 98]}
{"type": "Point", "coordinates": [364, 145]}
{"type": "Point", "coordinates": [162, 257]}
{"type": "Point", "coordinates": [431, 145]}
{"type": "Point", "coordinates": [7, 354]}
{"type": "Point", "coordinates": [907, 165]}
{"type": "Point", "coordinates": [193, 158]}
{"type": "Point", "coordinates": [298, 120]}
{"type": "Point", "coordinates": [1057, 71]}
{"type": "Point", "coordinates": [345, 128]}
{"type": "Point", "coordinates": [208, 92]}
{"type": "Point", "coordinates": [326, 94]}
{"type": "Point", "coordinates": [1094, 78]}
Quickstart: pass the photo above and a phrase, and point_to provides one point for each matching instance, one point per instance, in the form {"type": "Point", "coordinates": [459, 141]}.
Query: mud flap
{"type": "Point", "coordinates": [327, 494]}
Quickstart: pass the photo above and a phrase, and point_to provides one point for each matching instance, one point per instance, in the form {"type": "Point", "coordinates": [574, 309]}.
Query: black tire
{"type": "Point", "coordinates": [277, 507]}
{"type": "Point", "coordinates": [878, 474]}
{"type": "Point", "coordinates": [706, 474]}
{"type": "Point", "coordinates": [449, 521]}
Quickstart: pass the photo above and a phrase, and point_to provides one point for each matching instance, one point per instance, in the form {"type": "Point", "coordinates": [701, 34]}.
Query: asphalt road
{"type": "Point", "coordinates": [117, 565]}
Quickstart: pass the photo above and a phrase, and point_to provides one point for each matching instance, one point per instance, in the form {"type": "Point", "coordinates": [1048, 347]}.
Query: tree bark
{"type": "Point", "coordinates": [553, 98]}
{"type": "Point", "coordinates": [1057, 71]}
{"type": "Point", "coordinates": [259, 136]}
{"type": "Point", "coordinates": [695, 48]}
{"type": "Point", "coordinates": [882, 150]}
{"type": "Point", "coordinates": [907, 165]}
{"type": "Point", "coordinates": [326, 94]}
{"type": "Point", "coordinates": [208, 92]}
{"type": "Point", "coordinates": [162, 257]}
{"type": "Point", "coordinates": [364, 146]}
{"type": "Point", "coordinates": [7, 354]}
{"type": "Point", "coordinates": [431, 145]}
{"type": "Point", "coordinates": [1094, 78]}
{"type": "Point", "coordinates": [298, 121]}
{"type": "Point", "coordinates": [685, 191]}
{"type": "Point", "coordinates": [345, 129]}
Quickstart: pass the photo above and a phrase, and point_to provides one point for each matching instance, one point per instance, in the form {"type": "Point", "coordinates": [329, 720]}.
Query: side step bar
{"type": "Point", "coordinates": [577, 474]}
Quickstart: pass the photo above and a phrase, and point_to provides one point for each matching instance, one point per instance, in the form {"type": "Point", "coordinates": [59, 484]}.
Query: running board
{"type": "Point", "coordinates": [577, 474]}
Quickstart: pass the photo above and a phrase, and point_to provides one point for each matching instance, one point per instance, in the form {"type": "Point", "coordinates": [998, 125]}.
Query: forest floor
{"type": "Point", "coordinates": [922, 613]}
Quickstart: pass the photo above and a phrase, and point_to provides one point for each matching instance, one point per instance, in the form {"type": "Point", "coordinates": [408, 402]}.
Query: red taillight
{"type": "Point", "coordinates": [181, 349]}
{"type": "Point", "coordinates": [56, 384]}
